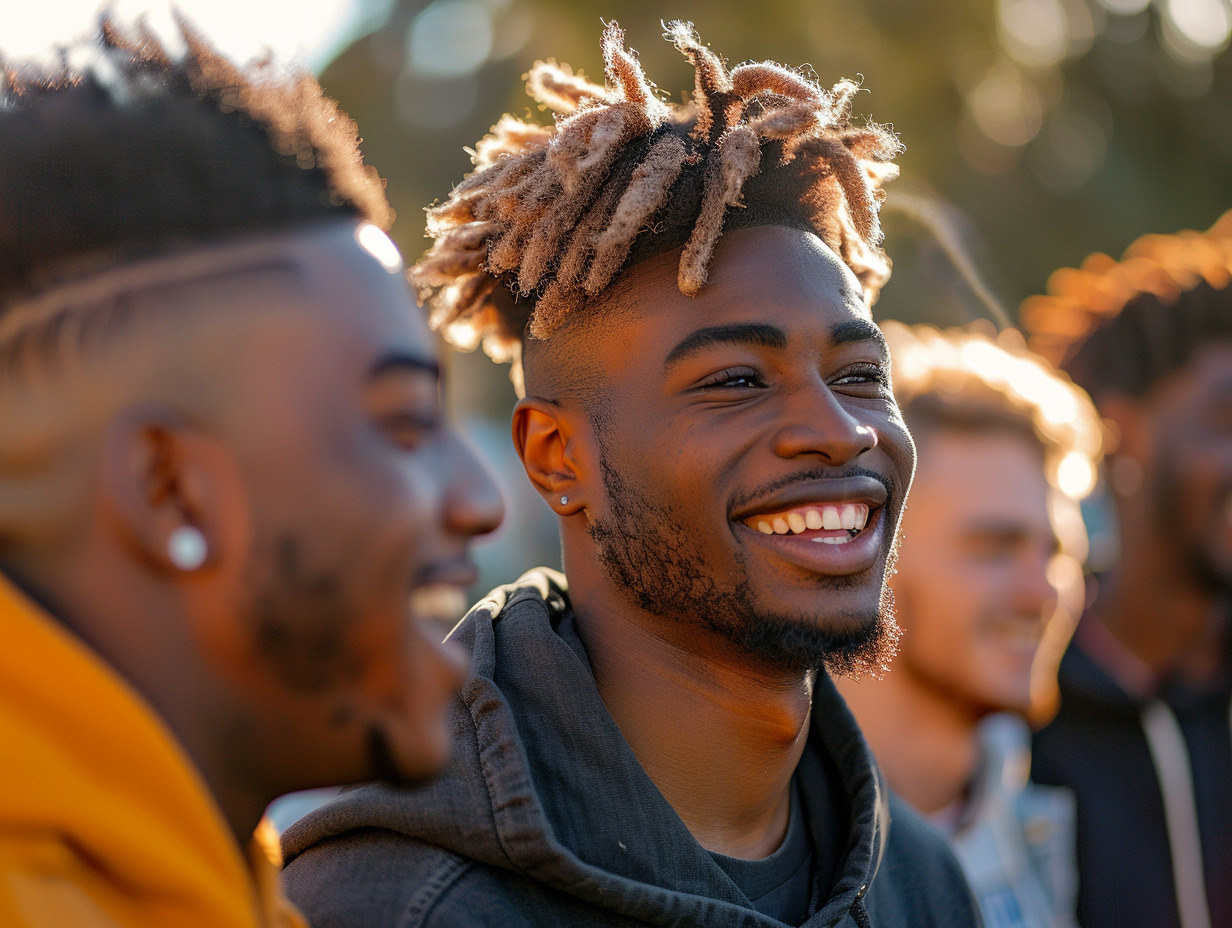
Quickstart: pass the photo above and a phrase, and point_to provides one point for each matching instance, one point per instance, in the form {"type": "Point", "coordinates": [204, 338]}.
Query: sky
{"type": "Point", "coordinates": [241, 28]}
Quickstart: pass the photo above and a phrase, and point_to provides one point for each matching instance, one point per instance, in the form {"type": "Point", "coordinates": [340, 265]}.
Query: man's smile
{"type": "Point", "coordinates": [828, 526]}
{"type": "Point", "coordinates": [823, 522]}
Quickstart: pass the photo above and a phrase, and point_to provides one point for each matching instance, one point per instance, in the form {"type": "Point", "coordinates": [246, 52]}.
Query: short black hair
{"type": "Point", "coordinates": [1122, 326]}
{"type": "Point", "coordinates": [133, 151]}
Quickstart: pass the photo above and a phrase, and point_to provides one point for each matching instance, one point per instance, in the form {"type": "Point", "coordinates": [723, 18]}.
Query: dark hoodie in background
{"type": "Point", "coordinates": [1145, 771]}
{"type": "Point", "coordinates": [544, 817]}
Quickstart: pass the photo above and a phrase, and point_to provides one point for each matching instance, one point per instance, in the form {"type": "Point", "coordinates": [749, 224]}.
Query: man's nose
{"type": "Point", "coordinates": [817, 424]}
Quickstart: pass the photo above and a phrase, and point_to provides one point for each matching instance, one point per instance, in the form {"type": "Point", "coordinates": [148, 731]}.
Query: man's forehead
{"type": "Point", "coordinates": [764, 271]}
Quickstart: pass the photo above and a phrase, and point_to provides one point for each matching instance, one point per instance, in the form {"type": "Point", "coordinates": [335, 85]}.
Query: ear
{"type": "Point", "coordinates": [162, 474]}
{"type": "Point", "coordinates": [1128, 421]}
{"type": "Point", "coordinates": [552, 442]}
{"type": "Point", "coordinates": [1128, 460]}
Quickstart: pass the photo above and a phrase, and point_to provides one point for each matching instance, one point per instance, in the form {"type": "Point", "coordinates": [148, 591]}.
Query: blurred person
{"type": "Point", "coordinates": [224, 474]}
{"type": "Point", "coordinates": [1005, 446]}
{"type": "Point", "coordinates": [652, 737]}
{"type": "Point", "coordinates": [1143, 735]}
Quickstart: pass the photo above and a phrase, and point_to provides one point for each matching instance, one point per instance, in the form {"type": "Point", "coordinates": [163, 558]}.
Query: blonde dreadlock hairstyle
{"type": "Point", "coordinates": [1123, 325]}
{"type": "Point", "coordinates": [552, 213]}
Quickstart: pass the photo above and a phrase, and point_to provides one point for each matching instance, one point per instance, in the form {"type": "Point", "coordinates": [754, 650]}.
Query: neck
{"type": "Point", "coordinates": [159, 664]}
{"type": "Point", "coordinates": [924, 739]}
{"type": "Point", "coordinates": [1159, 611]}
{"type": "Point", "coordinates": [719, 739]}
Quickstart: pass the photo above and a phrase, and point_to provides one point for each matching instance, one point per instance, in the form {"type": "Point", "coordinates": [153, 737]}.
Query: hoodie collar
{"type": "Point", "coordinates": [572, 807]}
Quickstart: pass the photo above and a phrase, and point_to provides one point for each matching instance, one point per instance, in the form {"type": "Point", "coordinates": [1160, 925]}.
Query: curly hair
{"type": "Point", "coordinates": [970, 380]}
{"type": "Point", "coordinates": [553, 213]}
{"type": "Point", "coordinates": [123, 150]}
{"type": "Point", "coordinates": [1123, 325]}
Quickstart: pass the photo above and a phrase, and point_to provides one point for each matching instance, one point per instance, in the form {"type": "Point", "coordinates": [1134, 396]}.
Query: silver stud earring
{"type": "Point", "coordinates": [564, 501]}
{"type": "Point", "coordinates": [187, 548]}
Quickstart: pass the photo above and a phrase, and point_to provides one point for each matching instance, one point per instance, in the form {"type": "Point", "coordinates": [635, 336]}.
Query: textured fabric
{"type": "Point", "coordinates": [544, 817]}
{"type": "Point", "coordinates": [1097, 747]}
{"type": "Point", "coordinates": [104, 823]}
{"type": "Point", "coordinates": [780, 885]}
{"type": "Point", "coordinates": [1014, 838]}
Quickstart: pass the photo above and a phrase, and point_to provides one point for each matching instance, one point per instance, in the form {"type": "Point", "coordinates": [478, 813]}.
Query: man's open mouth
{"type": "Point", "coordinates": [824, 523]}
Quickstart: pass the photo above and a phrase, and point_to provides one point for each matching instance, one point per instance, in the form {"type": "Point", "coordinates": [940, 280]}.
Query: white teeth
{"type": "Point", "coordinates": [812, 519]}
{"type": "Point", "coordinates": [765, 528]}
{"type": "Point", "coordinates": [796, 522]}
{"type": "Point", "coordinates": [861, 516]}
{"type": "Point", "coordinates": [780, 526]}
{"type": "Point", "coordinates": [438, 602]}
{"type": "Point", "coordinates": [849, 516]}
{"type": "Point", "coordinates": [830, 518]}
{"type": "Point", "coordinates": [838, 540]}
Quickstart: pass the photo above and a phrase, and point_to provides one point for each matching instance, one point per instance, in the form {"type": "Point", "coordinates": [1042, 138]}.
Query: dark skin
{"type": "Point", "coordinates": [766, 393]}
{"type": "Point", "coordinates": [1176, 530]}
{"type": "Point", "coordinates": [291, 414]}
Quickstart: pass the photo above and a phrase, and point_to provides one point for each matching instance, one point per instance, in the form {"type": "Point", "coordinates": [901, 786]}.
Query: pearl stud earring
{"type": "Point", "coordinates": [564, 501]}
{"type": "Point", "coordinates": [187, 548]}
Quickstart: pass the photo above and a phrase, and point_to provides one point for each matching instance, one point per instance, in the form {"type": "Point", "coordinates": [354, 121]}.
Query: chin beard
{"type": "Point", "coordinates": [649, 555]}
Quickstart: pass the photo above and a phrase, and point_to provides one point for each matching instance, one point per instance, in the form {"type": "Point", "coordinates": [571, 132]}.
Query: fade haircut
{"type": "Point", "coordinates": [970, 380]}
{"type": "Point", "coordinates": [1122, 326]}
{"type": "Point", "coordinates": [123, 151]}
{"type": "Point", "coordinates": [553, 213]}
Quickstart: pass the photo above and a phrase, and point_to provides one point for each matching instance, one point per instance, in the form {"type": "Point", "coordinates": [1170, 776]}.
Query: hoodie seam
{"type": "Point", "coordinates": [425, 901]}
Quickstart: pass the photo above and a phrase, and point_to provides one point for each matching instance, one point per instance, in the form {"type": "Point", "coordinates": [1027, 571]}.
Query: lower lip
{"type": "Point", "coordinates": [855, 556]}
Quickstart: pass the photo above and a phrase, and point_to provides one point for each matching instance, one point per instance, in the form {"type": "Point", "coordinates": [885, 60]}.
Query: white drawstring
{"type": "Point", "coordinates": [1172, 766]}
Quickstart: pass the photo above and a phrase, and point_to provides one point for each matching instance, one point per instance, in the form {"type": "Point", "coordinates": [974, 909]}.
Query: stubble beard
{"type": "Point", "coordinates": [650, 556]}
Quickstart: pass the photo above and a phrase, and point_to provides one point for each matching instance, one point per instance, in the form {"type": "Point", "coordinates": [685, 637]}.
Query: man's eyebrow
{"type": "Point", "coordinates": [751, 333]}
{"type": "Point", "coordinates": [857, 330]}
{"type": "Point", "coordinates": [405, 363]}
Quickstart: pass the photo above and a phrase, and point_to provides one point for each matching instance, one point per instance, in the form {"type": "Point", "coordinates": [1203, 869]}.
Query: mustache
{"type": "Point", "coordinates": [812, 476]}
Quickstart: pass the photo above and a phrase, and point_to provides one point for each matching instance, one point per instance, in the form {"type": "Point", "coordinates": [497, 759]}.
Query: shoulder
{"type": "Point", "coordinates": [919, 881]}
{"type": "Point", "coordinates": [371, 878]}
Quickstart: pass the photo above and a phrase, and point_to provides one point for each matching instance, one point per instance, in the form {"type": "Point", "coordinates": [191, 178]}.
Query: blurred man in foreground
{"type": "Point", "coordinates": [223, 474]}
{"type": "Point", "coordinates": [1143, 735]}
{"type": "Point", "coordinates": [1005, 447]}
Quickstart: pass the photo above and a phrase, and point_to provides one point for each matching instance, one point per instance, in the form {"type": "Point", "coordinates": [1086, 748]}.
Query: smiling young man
{"type": "Point", "coordinates": [1143, 736]}
{"type": "Point", "coordinates": [993, 542]}
{"type": "Point", "coordinates": [223, 474]}
{"type": "Point", "coordinates": [653, 738]}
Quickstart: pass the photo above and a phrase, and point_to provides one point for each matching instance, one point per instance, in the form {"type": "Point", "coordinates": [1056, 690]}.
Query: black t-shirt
{"type": "Point", "coordinates": [781, 885]}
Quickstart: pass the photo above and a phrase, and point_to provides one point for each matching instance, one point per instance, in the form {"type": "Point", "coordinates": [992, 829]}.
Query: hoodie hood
{"type": "Point", "coordinates": [100, 809]}
{"type": "Point", "coordinates": [542, 782]}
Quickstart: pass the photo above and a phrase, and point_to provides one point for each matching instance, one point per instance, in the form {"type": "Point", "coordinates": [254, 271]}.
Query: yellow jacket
{"type": "Point", "coordinates": [104, 821]}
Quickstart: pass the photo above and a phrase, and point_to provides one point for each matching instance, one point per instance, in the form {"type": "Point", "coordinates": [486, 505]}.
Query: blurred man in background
{"type": "Point", "coordinates": [1143, 736]}
{"type": "Point", "coordinates": [991, 541]}
{"type": "Point", "coordinates": [223, 473]}
{"type": "Point", "coordinates": [653, 738]}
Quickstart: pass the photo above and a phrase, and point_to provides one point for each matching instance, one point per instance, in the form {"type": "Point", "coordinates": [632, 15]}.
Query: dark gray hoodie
{"type": "Point", "coordinates": [544, 816]}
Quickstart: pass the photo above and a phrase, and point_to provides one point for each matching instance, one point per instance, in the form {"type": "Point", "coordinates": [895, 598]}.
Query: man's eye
{"type": "Point", "coordinates": [733, 378]}
{"type": "Point", "coordinates": [863, 374]}
{"type": "Point", "coordinates": [408, 430]}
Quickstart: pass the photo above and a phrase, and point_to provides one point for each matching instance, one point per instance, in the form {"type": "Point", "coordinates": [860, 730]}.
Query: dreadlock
{"type": "Point", "coordinates": [1122, 326]}
{"type": "Point", "coordinates": [132, 151]}
{"type": "Point", "coordinates": [553, 213]}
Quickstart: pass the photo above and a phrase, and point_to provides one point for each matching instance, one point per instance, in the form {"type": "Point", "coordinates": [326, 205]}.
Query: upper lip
{"type": "Point", "coordinates": [459, 571]}
{"type": "Point", "coordinates": [854, 489]}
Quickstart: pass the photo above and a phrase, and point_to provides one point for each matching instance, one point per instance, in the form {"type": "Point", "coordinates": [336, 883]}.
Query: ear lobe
{"type": "Point", "coordinates": [1127, 425]}
{"type": "Point", "coordinates": [161, 477]}
{"type": "Point", "coordinates": [546, 438]}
